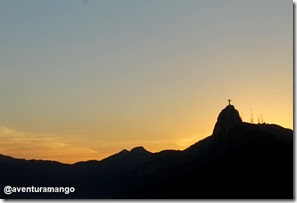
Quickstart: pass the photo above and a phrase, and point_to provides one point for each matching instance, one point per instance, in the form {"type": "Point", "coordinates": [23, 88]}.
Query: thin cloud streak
{"type": "Point", "coordinates": [43, 146]}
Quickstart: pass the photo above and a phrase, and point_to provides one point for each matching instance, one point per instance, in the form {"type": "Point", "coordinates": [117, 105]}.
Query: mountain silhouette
{"type": "Point", "coordinates": [238, 161]}
{"type": "Point", "coordinates": [228, 119]}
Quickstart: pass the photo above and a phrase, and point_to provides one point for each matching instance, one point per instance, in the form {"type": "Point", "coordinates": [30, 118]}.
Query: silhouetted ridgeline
{"type": "Point", "coordinates": [240, 160]}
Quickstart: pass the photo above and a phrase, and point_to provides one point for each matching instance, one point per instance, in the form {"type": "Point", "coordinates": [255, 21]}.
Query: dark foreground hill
{"type": "Point", "coordinates": [239, 161]}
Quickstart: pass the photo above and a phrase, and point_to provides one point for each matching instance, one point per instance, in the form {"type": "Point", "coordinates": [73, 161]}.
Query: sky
{"type": "Point", "coordinates": [84, 79]}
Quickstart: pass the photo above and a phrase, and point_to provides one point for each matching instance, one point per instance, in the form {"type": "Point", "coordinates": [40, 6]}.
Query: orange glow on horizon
{"type": "Point", "coordinates": [72, 149]}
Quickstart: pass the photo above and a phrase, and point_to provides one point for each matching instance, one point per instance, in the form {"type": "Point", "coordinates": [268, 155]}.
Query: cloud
{"type": "Point", "coordinates": [43, 146]}
{"type": "Point", "coordinates": [75, 147]}
{"type": "Point", "coordinates": [5, 131]}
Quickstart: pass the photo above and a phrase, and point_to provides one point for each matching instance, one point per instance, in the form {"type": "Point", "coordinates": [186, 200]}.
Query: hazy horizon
{"type": "Point", "coordinates": [90, 78]}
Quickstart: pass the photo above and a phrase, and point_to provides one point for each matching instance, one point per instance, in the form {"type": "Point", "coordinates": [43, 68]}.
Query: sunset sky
{"type": "Point", "coordinates": [84, 79]}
